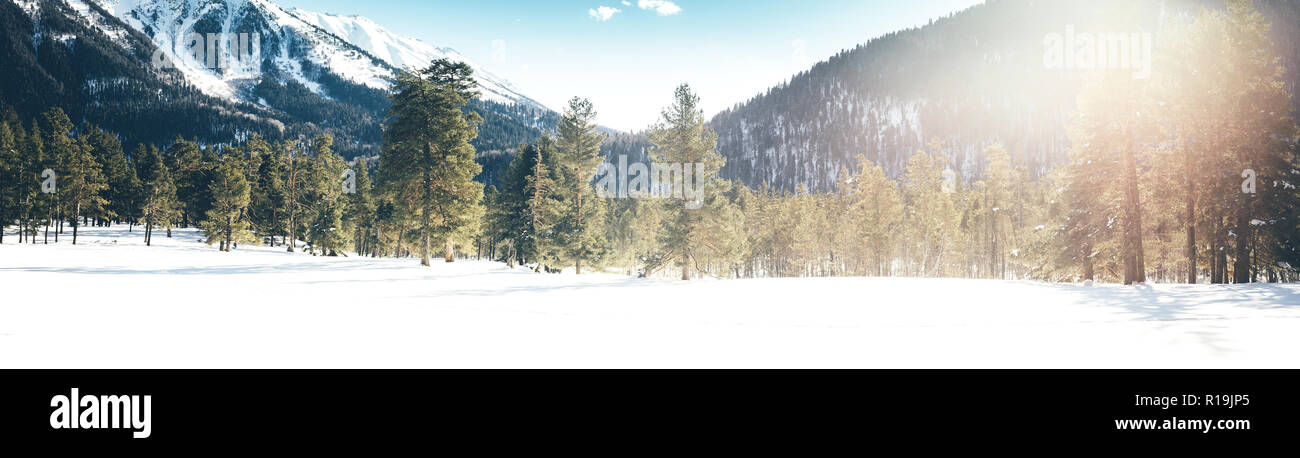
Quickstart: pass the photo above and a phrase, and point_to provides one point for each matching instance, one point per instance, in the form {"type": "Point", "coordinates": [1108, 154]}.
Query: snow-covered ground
{"type": "Point", "coordinates": [110, 302]}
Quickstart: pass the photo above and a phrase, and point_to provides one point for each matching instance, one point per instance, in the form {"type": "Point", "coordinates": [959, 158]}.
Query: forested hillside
{"type": "Point", "coordinates": [971, 80]}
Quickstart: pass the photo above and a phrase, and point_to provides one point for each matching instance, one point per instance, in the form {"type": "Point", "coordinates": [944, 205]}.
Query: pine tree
{"type": "Point", "coordinates": [10, 171]}
{"type": "Point", "coordinates": [59, 146]}
{"type": "Point", "coordinates": [35, 203]}
{"type": "Point", "coordinates": [579, 234]}
{"type": "Point", "coordinates": [634, 227]}
{"type": "Point", "coordinates": [82, 183]}
{"type": "Point", "coordinates": [529, 204]}
{"type": "Point", "coordinates": [876, 214]}
{"type": "Point", "coordinates": [1189, 55]}
{"type": "Point", "coordinates": [230, 195]}
{"type": "Point", "coordinates": [694, 229]}
{"type": "Point", "coordinates": [159, 206]}
{"type": "Point", "coordinates": [361, 209]}
{"type": "Point", "coordinates": [123, 186]}
{"type": "Point", "coordinates": [192, 174]}
{"type": "Point", "coordinates": [1261, 133]}
{"type": "Point", "coordinates": [930, 222]}
{"type": "Point", "coordinates": [999, 179]}
{"type": "Point", "coordinates": [427, 157]}
{"type": "Point", "coordinates": [803, 229]}
{"type": "Point", "coordinates": [269, 197]}
{"type": "Point", "coordinates": [294, 187]}
{"type": "Point", "coordinates": [325, 226]}
{"type": "Point", "coordinates": [1112, 130]}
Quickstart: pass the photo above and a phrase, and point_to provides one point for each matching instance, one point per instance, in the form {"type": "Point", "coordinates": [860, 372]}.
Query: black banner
{"type": "Point", "coordinates": [176, 410]}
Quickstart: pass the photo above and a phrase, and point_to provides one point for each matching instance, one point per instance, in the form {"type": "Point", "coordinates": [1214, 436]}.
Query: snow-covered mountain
{"type": "Point", "coordinates": [289, 47]}
{"type": "Point", "coordinates": [295, 45]}
{"type": "Point", "coordinates": [136, 67]}
{"type": "Point", "coordinates": [408, 53]}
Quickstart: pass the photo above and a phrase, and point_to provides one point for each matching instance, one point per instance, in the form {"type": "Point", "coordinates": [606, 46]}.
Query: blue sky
{"type": "Point", "coordinates": [629, 63]}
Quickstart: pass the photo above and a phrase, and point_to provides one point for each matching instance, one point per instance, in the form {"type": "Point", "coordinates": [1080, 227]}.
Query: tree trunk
{"type": "Point", "coordinates": [1134, 267]}
{"type": "Point", "coordinates": [582, 248]}
{"type": "Point", "coordinates": [1241, 258]}
{"type": "Point", "coordinates": [1088, 273]}
{"type": "Point", "coordinates": [1214, 264]}
{"type": "Point", "coordinates": [450, 254]}
{"type": "Point", "coordinates": [401, 234]}
{"type": "Point", "coordinates": [293, 201]}
{"type": "Point", "coordinates": [75, 222]}
{"type": "Point", "coordinates": [427, 210]}
{"type": "Point", "coordinates": [1191, 223]}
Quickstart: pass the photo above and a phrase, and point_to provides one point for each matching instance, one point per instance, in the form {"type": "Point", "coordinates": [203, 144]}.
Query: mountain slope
{"type": "Point", "coordinates": [409, 53]}
{"type": "Point", "coordinates": [96, 68]}
{"type": "Point", "coordinates": [288, 45]}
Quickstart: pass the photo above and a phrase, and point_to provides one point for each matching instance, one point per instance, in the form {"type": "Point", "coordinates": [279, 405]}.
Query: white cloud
{"type": "Point", "coordinates": [603, 13]}
{"type": "Point", "coordinates": [663, 7]}
{"type": "Point", "coordinates": [627, 3]}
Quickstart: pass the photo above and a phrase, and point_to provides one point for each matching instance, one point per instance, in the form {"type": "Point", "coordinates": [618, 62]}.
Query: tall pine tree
{"type": "Point", "coordinates": [579, 231]}
{"type": "Point", "coordinates": [427, 157]}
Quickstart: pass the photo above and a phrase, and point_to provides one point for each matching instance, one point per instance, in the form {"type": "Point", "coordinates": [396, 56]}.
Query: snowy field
{"type": "Point", "coordinates": [110, 302]}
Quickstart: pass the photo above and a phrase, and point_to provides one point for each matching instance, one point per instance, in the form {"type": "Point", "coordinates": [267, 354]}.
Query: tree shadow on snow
{"type": "Point", "coordinates": [1173, 304]}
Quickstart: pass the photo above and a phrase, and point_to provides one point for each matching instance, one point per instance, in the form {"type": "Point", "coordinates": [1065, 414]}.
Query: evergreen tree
{"type": "Point", "coordinates": [269, 198]}
{"type": "Point", "coordinates": [325, 226]}
{"type": "Point", "coordinates": [695, 230]}
{"type": "Point", "coordinates": [36, 203]}
{"type": "Point", "coordinates": [529, 204]}
{"type": "Point", "coordinates": [579, 234]}
{"type": "Point", "coordinates": [230, 196]}
{"type": "Point", "coordinates": [82, 183]}
{"type": "Point", "coordinates": [361, 209]}
{"type": "Point", "coordinates": [427, 157]}
{"type": "Point", "coordinates": [159, 206]}
{"type": "Point", "coordinates": [294, 189]}
{"type": "Point", "coordinates": [876, 215]}
{"type": "Point", "coordinates": [633, 228]}
{"type": "Point", "coordinates": [10, 171]}
{"type": "Point", "coordinates": [59, 147]}
{"type": "Point", "coordinates": [995, 220]}
{"type": "Point", "coordinates": [192, 173]}
{"type": "Point", "coordinates": [930, 222]}
{"type": "Point", "coordinates": [1262, 134]}
{"type": "Point", "coordinates": [123, 185]}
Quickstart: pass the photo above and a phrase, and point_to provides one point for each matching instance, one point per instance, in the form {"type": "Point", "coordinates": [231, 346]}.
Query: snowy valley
{"type": "Point", "coordinates": [183, 304]}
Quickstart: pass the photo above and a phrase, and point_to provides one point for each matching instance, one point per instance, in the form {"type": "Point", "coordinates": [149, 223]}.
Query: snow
{"type": "Point", "coordinates": [408, 53]}
{"type": "Point", "coordinates": [168, 22]}
{"type": "Point", "coordinates": [110, 302]}
{"type": "Point", "coordinates": [327, 41]}
{"type": "Point", "coordinates": [118, 35]}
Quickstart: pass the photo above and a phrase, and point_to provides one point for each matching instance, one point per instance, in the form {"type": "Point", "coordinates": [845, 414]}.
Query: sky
{"type": "Point", "coordinates": [628, 56]}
